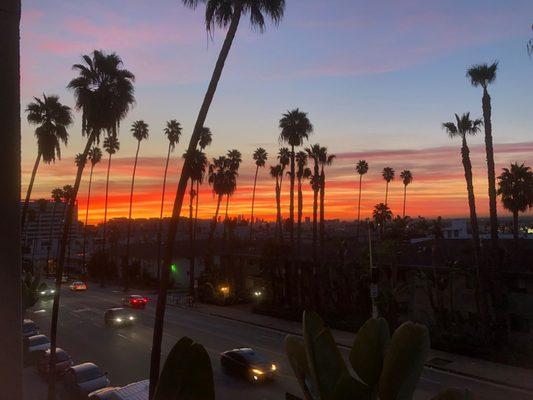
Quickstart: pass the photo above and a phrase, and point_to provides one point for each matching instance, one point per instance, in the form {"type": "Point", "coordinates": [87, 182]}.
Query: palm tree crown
{"type": "Point", "coordinates": [139, 129]}
{"type": "Point", "coordinates": [95, 155]}
{"type": "Point", "coordinates": [407, 177]}
{"type": "Point", "coordinates": [284, 156]}
{"type": "Point", "coordinates": [482, 74]}
{"type": "Point", "coordinates": [173, 133]}
{"type": "Point", "coordinates": [381, 214]}
{"type": "Point", "coordinates": [260, 157]}
{"type": "Point", "coordinates": [234, 159]}
{"type": "Point", "coordinates": [206, 137]}
{"type": "Point", "coordinates": [197, 162]}
{"type": "Point", "coordinates": [103, 91]}
{"type": "Point", "coordinates": [362, 167]}
{"type": "Point", "coordinates": [295, 127]}
{"type": "Point", "coordinates": [79, 160]}
{"type": "Point", "coordinates": [111, 144]}
{"type": "Point", "coordinates": [463, 126]}
{"type": "Point", "coordinates": [388, 174]}
{"type": "Point", "coordinates": [516, 187]}
{"type": "Point", "coordinates": [53, 119]}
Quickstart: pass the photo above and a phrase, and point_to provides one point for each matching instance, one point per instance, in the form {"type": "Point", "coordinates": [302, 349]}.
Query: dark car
{"type": "Point", "coordinates": [29, 328]}
{"type": "Point", "coordinates": [47, 292]}
{"type": "Point", "coordinates": [82, 379]}
{"type": "Point", "coordinates": [63, 362]}
{"type": "Point", "coordinates": [134, 301]}
{"type": "Point", "coordinates": [118, 317]}
{"type": "Point", "coordinates": [247, 363]}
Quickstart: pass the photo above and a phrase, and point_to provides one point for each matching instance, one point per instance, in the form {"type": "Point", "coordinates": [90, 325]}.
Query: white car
{"type": "Point", "coordinates": [137, 390]}
{"type": "Point", "coordinates": [82, 379]}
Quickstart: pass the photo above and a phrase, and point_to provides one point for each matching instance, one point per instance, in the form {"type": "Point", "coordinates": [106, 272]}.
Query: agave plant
{"type": "Point", "coordinates": [387, 367]}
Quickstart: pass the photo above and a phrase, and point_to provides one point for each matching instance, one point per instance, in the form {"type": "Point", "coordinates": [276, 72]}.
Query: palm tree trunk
{"type": "Point", "coordinates": [291, 200]}
{"type": "Point", "coordinates": [191, 241]}
{"type": "Point", "coordinates": [126, 263]}
{"type": "Point", "coordinates": [359, 206]}
{"type": "Point", "coordinates": [300, 211]}
{"type": "Point", "coordinates": [253, 203]}
{"type": "Point", "coordinates": [226, 215]}
{"type": "Point", "coordinates": [404, 199]}
{"type": "Point", "coordinates": [315, 222]}
{"type": "Point", "coordinates": [322, 205]}
{"type": "Point", "coordinates": [386, 192]}
{"type": "Point", "coordinates": [104, 233]}
{"type": "Point", "coordinates": [180, 193]}
{"type": "Point", "coordinates": [86, 216]}
{"type": "Point", "coordinates": [196, 208]}
{"type": "Point", "coordinates": [278, 210]}
{"type": "Point", "coordinates": [160, 227]}
{"type": "Point", "coordinates": [465, 152]}
{"type": "Point", "coordinates": [214, 221]}
{"type": "Point", "coordinates": [515, 228]}
{"type": "Point", "coordinates": [60, 265]}
{"type": "Point", "coordinates": [30, 188]}
{"type": "Point", "coordinates": [11, 371]}
{"type": "Point", "coordinates": [50, 239]}
{"type": "Point", "coordinates": [487, 123]}
{"type": "Point", "coordinates": [280, 215]}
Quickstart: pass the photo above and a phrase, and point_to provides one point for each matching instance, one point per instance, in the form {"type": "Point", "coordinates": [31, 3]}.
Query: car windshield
{"type": "Point", "coordinates": [121, 313]}
{"type": "Point", "coordinates": [38, 340]}
{"type": "Point", "coordinates": [135, 296]}
{"type": "Point", "coordinates": [252, 357]}
{"type": "Point", "coordinates": [61, 355]}
{"type": "Point", "coordinates": [29, 326]}
{"type": "Point", "coordinates": [87, 372]}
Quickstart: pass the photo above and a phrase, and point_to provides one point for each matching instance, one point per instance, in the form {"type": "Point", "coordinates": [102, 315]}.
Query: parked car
{"type": "Point", "coordinates": [63, 362]}
{"type": "Point", "coordinates": [34, 348]}
{"type": "Point", "coordinates": [118, 317]}
{"type": "Point", "coordinates": [137, 390]}
{"type": "Point", "coordinates": [78, 285]}
{"type": "Point", "coordinates": [29, 328]}
{"type": "Point", "coordinates": [134, 301]}
{"type": "Point", "coordinates": [82, 379]}
{"type": "Point", "coordinates": [247, 363]}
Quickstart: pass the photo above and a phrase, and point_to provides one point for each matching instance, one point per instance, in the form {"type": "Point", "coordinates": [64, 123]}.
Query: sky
{"type": "Point", "coordinates": [377, 79]}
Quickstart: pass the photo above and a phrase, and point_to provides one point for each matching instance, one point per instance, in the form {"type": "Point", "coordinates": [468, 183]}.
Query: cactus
{"type": "Point", "coordinates": [187, 373]}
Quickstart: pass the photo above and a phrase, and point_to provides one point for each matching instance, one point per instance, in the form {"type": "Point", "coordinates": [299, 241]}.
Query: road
{"type": "Point", "coordinates": [125, 352]}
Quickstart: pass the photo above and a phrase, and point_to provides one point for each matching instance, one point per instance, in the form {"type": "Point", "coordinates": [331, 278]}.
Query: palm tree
{"type": "Point", "coordinates": [381, 215]}
{"type": "Point", "coordinates": [234, 158]}
{"type": "Point", "coordinates": [361, 168]}
{"type": "Point", "coordinates": [139, 130]}
{"type": "Point", "coordinates": [66, 196]}
{"type": "Point", "coordinates": [465, 126]}
{"type": "Point", "coordinates": [325, 159]}
{"type": "Point", "coordinates": [197, 163]}
{"type": "Point", "coordinates": [173, 132]}
{"type": "Point", "coordinates": [217, 175]}
{"type": "Point", "coordinates": [205, 140]}
{"type": "Point", "coordinates": [302, 173]}
{"type": "Point", "coordinates": [407, 178]}
{"type": "Point", "coordinates": [295, 128]}
{"type": "Point", "coordinates": [483, 75]}
{"type": "Point", "coordinates": [276, 172]}
{"type": "Point", "coordinates": [260, 157]}
{"type": "Point", "coordinates": [388, 175]}
{"type": "Point", "coordinates": [56, 198]}
{"type": "Point", "coordinates": [95, 155]}
{"type": "Point", "coordinates": [284, 157]}
{"type": "Point", "coordinates": [516, 191]}
{"type": "Point", "coordinates": [111, 146]}
{"type": "Point", "coordinates": [104, 93]}
{"type": "Point", "coordinates": [53, 119]}
{"type": "Point", "coordinates": [225, 14]}
{"type": "Point", "coordinates": [314, 152]}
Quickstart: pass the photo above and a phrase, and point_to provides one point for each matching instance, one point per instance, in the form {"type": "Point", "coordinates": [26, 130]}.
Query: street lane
{"type": "Point", "coordinates": [125, 352]}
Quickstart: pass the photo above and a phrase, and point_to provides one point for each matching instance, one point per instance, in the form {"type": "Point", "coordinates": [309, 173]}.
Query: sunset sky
{"type": "Point", "coordinates": [376, 77]}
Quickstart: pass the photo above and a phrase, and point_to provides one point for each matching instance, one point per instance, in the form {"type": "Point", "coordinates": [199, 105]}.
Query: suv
{"type": "Point", "coordinates": [118, 317]}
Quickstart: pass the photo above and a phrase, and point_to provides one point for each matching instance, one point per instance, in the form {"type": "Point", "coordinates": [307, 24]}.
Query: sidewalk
{"type": "Point", "coordinates": [500, 374]}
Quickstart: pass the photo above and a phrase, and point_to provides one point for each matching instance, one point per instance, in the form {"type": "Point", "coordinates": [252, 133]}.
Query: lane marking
{"type": "Point", "coordinates": [122, 336]}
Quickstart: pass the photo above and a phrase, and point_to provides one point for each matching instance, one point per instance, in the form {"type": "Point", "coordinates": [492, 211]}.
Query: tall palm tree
{"type": "Point", "coordinates": [234, 158]}
{"type": "Point", "coordinates": [483, 75]}
{"type": "Point", "coordinates": [324, 160]}
{"type": "Point", "coordinates": [381, 215]}
{"type": "Point", "coordinates": [295, 128]}
{"type": "Point", "coordinates": [53, 119]}
{"type": "Point", "coordinates": [276, 172]}
{"type": "Point", "coordinates": [206, 138]}
{"type": "Point", "coordinates": [284, 157]}
{"type": "Point", "coordinates": [225, 14]}
{"type": "Point", "coordinates": [197, 163]}
{"type": "Point", "coordinates": [104, 93]}
{"type": "Point", "coordinates": [515, 186]}
{"type": "Point", "coordinates": [56, 198]}
{"type": "Point", "coordinates": [95, 155]}
{"type": "Point", "coordinates": [139, 130]}
{"type": "Point", "coordinates": [388, 175]}
{"type": "Point", "coordinates": [302, 173]}
{"type": "Point", "coordinates": [217, 175]}
{"type": "Point", "coordinates": [173, 132]}
{"type": "Point", "coordinates": [111, 146]}
{"type": "Point", "coordinates": [361, 168]}
{"type": "Point", "coordinates": [260, 157]}
{"type": "Point", "coordinates": [67, 194]}
{"type": "Point", "coordinates": [315, 153]}
{"type": "Point", "coordinates": [465, 126]}
{"type": "Point", "coordinates": [407, 178]}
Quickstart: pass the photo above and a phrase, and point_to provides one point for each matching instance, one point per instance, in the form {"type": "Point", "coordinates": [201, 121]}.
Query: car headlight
{"type": "Point", "coordinates": [131, 318]}
{"type": "Point", "coordinates": [52, 291]}
{"type": "Point", "coordinates": [257, 371]}
{"type": "Point", "coordinates": [118, 319]}
{"type": "Point", "coordinates": [43, 292]}
{"type": "Point", "coordinates": [273, 367]}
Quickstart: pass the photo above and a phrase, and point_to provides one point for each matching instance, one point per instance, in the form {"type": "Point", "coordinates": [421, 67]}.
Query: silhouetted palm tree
{"type": "Point", "coordinates": [483, 75]}
{"type": "Point", "coordinates": [388, 175]}
{"type": "Point", "coordinates": [407, 178]}
{"type": "Point", "coordinates": [516, 191]}
{"type": "Point", "coordinates": [314, 152]}
{"type": "Point", "coordinates": [381, 215]}
{"type": "Point", "coordinates": [139, 130]}
{"type": "Point", "coordinates": [361, 168]}
{"type": "Point", "coordinates": [104, 94]}
{"type": "Point", "coordinates": [260, 157]}
{"type": "Point", "coordinates": [56, 198]}
{"type": "Point", "coordinates": [325, 159]}
{"type": "Point", "coordinates": [95, 155]}
{"type": "Point", "coordinates": [66, 196]}
{"type": "Point", "coordinates": [295, 129]}
{"type": "Point", "coordinates": [53, 119]}
{"type": "Point", "coordinates": [276, 172]}
{"type": "Point", "coordinates": [225, 14]}
{"type": "Point", "coordinates": [172, 132]}
{"type": "Point", "coordinates": [302, 173]}
{"type": "Point", "coordinates": [465, 126]}
{"type": "Point", "coordinates": [234, 158]}
{"type": "Point", "coordinates": [217, 176]}
{"type": "Point", "coordinates": [111, 146]}
{"type": "Point", "coordinates": [205, 140]}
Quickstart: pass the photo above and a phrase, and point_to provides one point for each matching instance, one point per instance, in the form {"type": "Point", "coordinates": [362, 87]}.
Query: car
{"type": "Point", "coordinates": [118, 317]}
{"type": "Point", "coordinates": [82, 379]}
{"type": "Point", "coordinates": [34, 348]}
{"type": "Point", "coordinates": [135, 301]}
{"type": "Point", "coordinates": [136, 390]}
{"type": "Point", "coordinates": [63, 362]}
{"type": "Point", "coordinates": [78, 285]}
{"type": "Point", "coordinates": [64, 278]}
{"type": "Point", "coordinates": [248, 364]}
{"type": "Point", "coordinates": [29, 328]}
{"type": "Point", "coordinates": [47, 292]}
